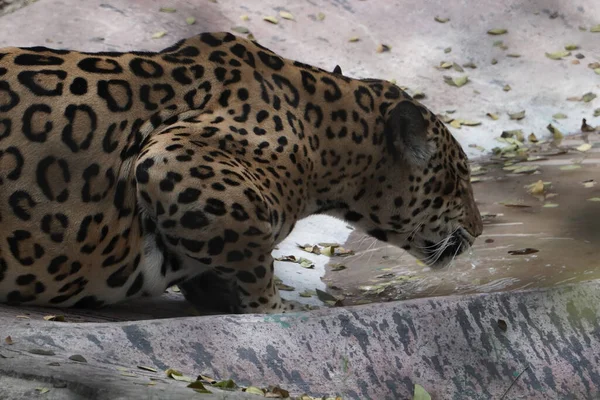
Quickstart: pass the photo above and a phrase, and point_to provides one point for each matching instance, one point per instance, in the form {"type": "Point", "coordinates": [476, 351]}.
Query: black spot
{"type": "Point", "coordinates": [352, 216]}
{"type": "Point", "coordinates": [46, 174]}
{"type": "Point", "coordinates": [136, 286]}
{"type": "Point", "coordinates": [239, 213]}
{"type": "Point", "coordinates": [13, 97]}
{"type": "Point", "coordinates": [192, 245]}
{"type": "Point", "coordinates": [194, 220]}
{"type": "Point", "coordinates": [112, 91]}
{"type": "Point", "coordinates": [270, 60]}
{"type": "Point", "coordinates": [28, 117]}
{"type": "Point", "coordinates": [246, 277]}
{"type": "Point", "coordinates": [37, 59]}
{"type": "Point", "coordinates": [215, 207]}
{"type": "Point", "coordinates": [141, 172]}
{"type": "Point", "coordinates": [216, 246]}
{"type": "Point", "coordinates": [21, 203]}
{"type": "Point", "coordinates": [31, 80]}
{"type": "Point", "coordinates": [378, 234]}
{"type": "Point", "coordinates": [189, 195]}
{"type": "Point", "coordinates": [79, 116]}
{"type": "Point", "coordinates": [79, 86]}
{"type": "Point", "coordinates": [23, 280]}
{"type": "Point", "coordinates": [260, 272]}
{"type": "Point", "coordinates": [235, 256]}
{"type": "Point", "coordinates": [146, 68]}
{"type": "Point", "coordinates": [94, 65]}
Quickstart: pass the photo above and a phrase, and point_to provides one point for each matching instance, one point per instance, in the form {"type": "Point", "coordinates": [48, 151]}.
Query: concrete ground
{"type": "Point", "coordinates": [512, 76]}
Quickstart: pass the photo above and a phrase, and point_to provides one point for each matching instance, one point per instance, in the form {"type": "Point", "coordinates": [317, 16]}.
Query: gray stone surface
{"type": "Point", "coordinates": [453, 346]}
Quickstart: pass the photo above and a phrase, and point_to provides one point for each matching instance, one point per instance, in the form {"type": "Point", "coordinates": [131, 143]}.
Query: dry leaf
{"type": "Point", "coordinates": [254, 390]}
{"type": "Point", "coordinates": [570, 167]}
{"type": "Point", "coordinates": [470, 65]}
{"type": "Point", "coordinates": [556, 134]}
{"type": "Point", "coordinates": [271, 19]}
{"type": "Point", "coordinates": [42, 390]}
{"type": "Point", "coordinates": [444, 65]}
{"type": "Point", "coordinates": [158, 35]}
{"type": "Point", "coordinates": [57, 318]}
{"type": "Point", "coordinates": [78, 358]}
{"type": "Point", "coordinates": [559, 116]}
{"type": "Point", "coordinates": [506, 88]}
{"type": "Point", "coordinates": [513, 55]}
{"type": "Point", "coordinates": [493, 116]}
{"type": "Point", "coordinates": [585, 127]}
{"type": "Point", "coordinates": [456, 81]}
{"type": "Point", "coordinates": [198, 387]}
{"type": "Point", "coordinates": [354, 39]}
{"type": "Point", "coordinates": [518, 115]}
{"type": "Point", "coordinates": [532, 138]}
{"type": "Point", "coordinates": [240, 29]}
{"type": "Point", "coordinates": [558, 55]}
{"type": "Point", "coordinates": [143, 367]}
{"type": "Point", "coordinates": [8, 340]}
{"type": "Point", "coordinates": [536, 188]}
{"type": "Point", "coordinates": [286, 15]}
{"type": "Point", "coordinates": [494, 61]}
{"type": "Point", "coordinates": [522, 252]}
{"type": "Point", "coordinates": [590, 183]}
{"type": "Point", "coordinates": [497, 31]}
{"type": "Point", "coordinates": [571, 47]}
{"type": "Point", "coordinates": [382, 48]}
{"type": "Point", "coordinates": [457, 67]}
{"type": "Point", "coordinates": [550, 205]}
{"type": "Point", "coordinates": [419, 393]}
{"type": "Point", "coordinates": [442, 20]}
{"type": "Point", "coordinates": [584, 147]}
{"type": "Point", "coordinates": [588, 97]}
{"type": "Point", "coordinates": [167, 9]}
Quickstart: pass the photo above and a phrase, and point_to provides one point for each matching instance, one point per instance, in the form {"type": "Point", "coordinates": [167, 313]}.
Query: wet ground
{"type": "Point", "coordinates": [554, 235]}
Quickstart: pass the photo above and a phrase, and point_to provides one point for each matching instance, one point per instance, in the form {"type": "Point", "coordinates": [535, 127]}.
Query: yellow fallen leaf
{"type": "Point", "coordinates": [550, 205]}
{"type": "Point", "coordinates": [420, 393]}
{"type": "Point", "coordinates": [190, 20]}
{"type": "Point", "coordinates": [518, 115]}
{"type": "Point", "coordinates": [595, 199]}
{"type": "Point", "coordinates": [271, 19]}
{"type": "Point", "coordinates": [286, 15]}
{"type": "Point", "coordinates": [167, 9]}
{"type": "Point", "coordinates": [570, 167]}
{"type": "Point", "coordinates": [559, 116]}
{"type": "Point", "coordinates": [493, 116]}
{"type": "Point", "coordinates": [584, 147]}
{"type": "Point", "coordinates": [556, 134]}
{"type": "Point", "coordinates": [354, 39]}
{"type": "Point", "coordinates": [506, 88]}
{"type": "Point", "coordinates": [456, 81]}
{"type": "Point", "coordinates": [536, 188]}
{"type": "Point", "coordinates": [595, 28]}
{"type": "Point", "coordinates": [158, 35]}
{"type": "Point", "coordinates": [497, 31]}
{"type": "Point", "coordinates": [244, 17]}
{"type": "Point", "coordinates": [320, 16]}
{"type": "Point", "coordinates": [441, 20]}
{"type": "Point", "coordinates": [571, 47]}
{"type": "Point", "coordinates": [532, 138]}
{"type": "Point", "coordinates": [558, 55]}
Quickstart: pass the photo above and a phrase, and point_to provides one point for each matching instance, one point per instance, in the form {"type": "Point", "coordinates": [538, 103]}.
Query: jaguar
{"type": "Point", "coordinates": [124, 173]}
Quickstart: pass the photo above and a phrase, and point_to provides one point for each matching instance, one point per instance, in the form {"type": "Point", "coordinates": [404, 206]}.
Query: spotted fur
{"type": "Point", "coordinates": [124, 173]}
